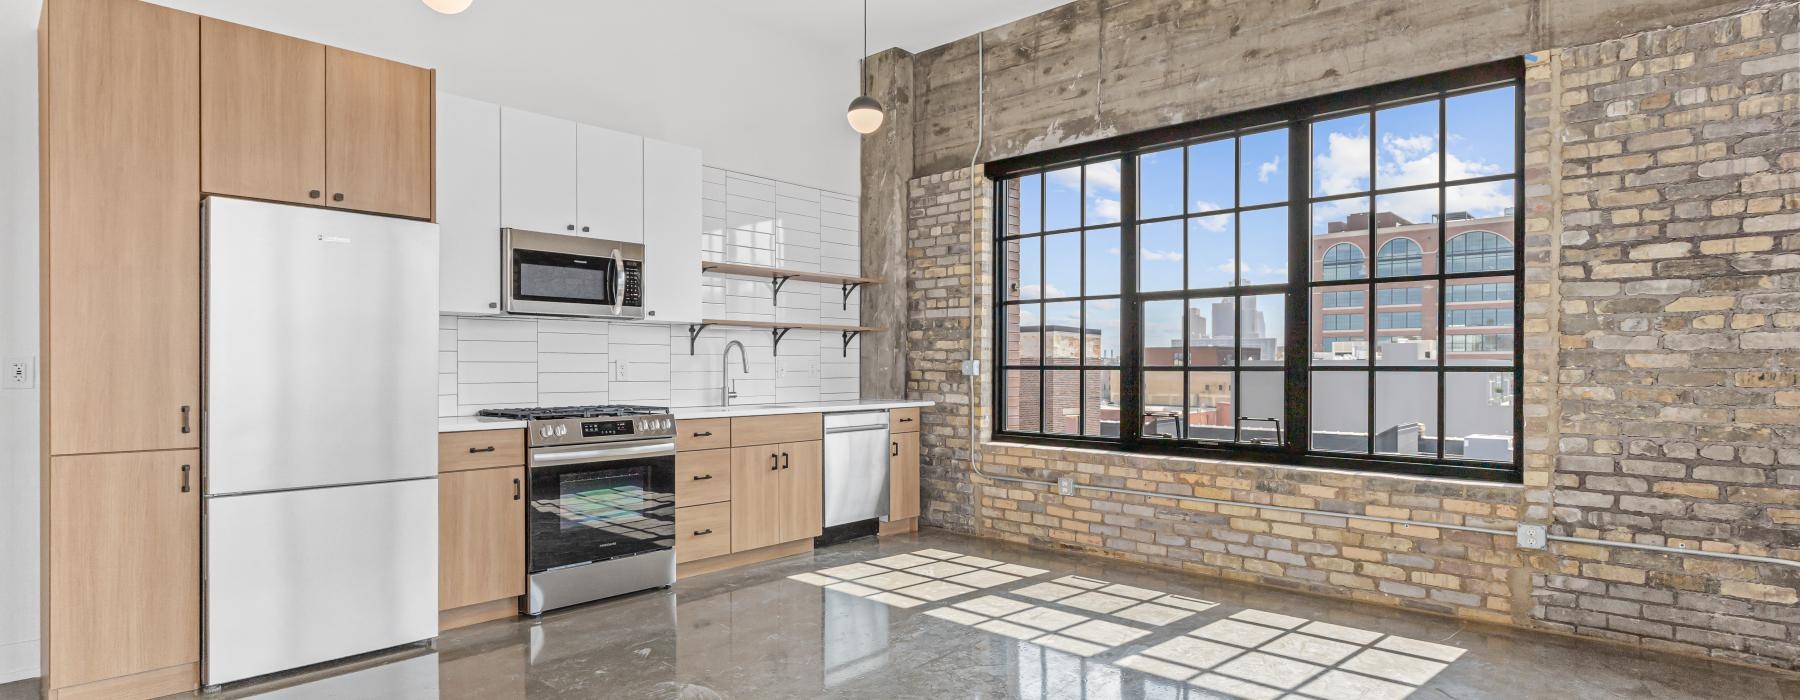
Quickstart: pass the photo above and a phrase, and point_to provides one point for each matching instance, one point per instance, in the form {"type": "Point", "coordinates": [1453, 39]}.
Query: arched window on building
{"type": "Point", "coordinates": [1398, 257]}
{"type": "Point", "coordinates": [1478, 251]}
{"type": "Point", "coordinates": [1343, 262]}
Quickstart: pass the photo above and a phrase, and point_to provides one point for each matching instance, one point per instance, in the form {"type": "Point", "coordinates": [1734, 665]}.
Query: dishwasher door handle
{"type": "Point", "coordinates": [854, 429]}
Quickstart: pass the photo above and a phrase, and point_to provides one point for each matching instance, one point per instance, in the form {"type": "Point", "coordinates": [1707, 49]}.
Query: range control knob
{"type": "Point", "coordinates": [546, 431]}
{"type": "Point", "coordinates": [562, 430]}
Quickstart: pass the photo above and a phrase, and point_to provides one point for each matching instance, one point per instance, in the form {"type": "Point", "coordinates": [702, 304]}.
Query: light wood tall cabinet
{"type": "Point", "coordinates": [289, 120]}
{"type": "Point", "coordinates": [119, 109]}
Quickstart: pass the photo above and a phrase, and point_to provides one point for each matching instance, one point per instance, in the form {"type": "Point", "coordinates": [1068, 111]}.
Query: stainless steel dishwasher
{"type": "Point", "coordinates": [856, 474]}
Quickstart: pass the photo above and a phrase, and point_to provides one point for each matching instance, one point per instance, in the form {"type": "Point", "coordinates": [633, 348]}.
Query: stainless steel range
{"type": "Point", "coordinates": [601, 520]}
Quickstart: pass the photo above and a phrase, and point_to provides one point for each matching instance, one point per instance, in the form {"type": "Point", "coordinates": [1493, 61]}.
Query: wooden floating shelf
{"type": "Point", "coordinates": [779, 330]}
{"type": "Point", "coordinates": [780, 276]}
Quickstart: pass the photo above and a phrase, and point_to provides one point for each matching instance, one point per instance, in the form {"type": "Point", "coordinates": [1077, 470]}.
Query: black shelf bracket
{"type": "Point", "coordinates": [694, 334]}
{"type": "Point", "coordinates": [778, 334]}
{"type": "Point", "coordinates": [848, 288]}
{"type": "Point", "coordinates": [849, 336]}
{"type": "Point", "coordinates": [778, 281]}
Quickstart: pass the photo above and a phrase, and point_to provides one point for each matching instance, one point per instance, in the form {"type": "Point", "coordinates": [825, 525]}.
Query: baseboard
{"type": "Point", "coordinates": [19, 661]}
{"type": "Point", "coordinates": [899, 527]}
{"type": "Point", "coordinates": [149, 684]}
{"type": "Point", "coordinates": [478, 613]}
{"type": "Point", "coordinates": [745, 558]}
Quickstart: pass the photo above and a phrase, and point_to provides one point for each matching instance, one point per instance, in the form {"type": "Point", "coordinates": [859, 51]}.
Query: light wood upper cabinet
{"type": "Point", "coordinates": [262, 114]}
{"type": "Point", "coordinates": [120, 120]}
{"type": "Point", "coordinates": [903, 476]}
{"type": "Point", "coordinates": [481, 536]}
{"type": "Point", "coordinates": [122, 586]}
{"type": "Point", "coordinates": [378, 126]}
{"type": "Point", "coordinates": [537, 172]}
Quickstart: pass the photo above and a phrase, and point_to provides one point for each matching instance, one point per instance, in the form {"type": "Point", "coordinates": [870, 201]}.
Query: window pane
{"type": "Point", "coordinates": [1027, 268]}
{"type": "Point", "coordinates": [1478, 415]}
{"type": "Point", "coordinates": [1100, 392]}
{"type": "Point", "coordinates": [1062, 265]}
{"type": "Point", "coordinates": [1340, 411]}
{"type": "Point", "coordinates": [1340, 239]}
{"type": "Point", "coordinates": [1022, 400]}
{"type": "Point", "coordinates": [1479, 227]}
{"type": "Point", "coordinates": [1340, 334]}
{"type": "Point", "coordinates": [1102, 192]}
{"type": "Point", "coordinates": [1061, 336]}
{"type": "Point", "coordinates": [1062, 199]}
{"type": "Point", "coordinates": [1159, 256]}
{"type": "Point", "coordinates": [1481, 133]}
{"type": "Point", "coordinates": [1159, 184]}
{"type": "Point", "coordinates": [1406, 413]}
{"type": "Point", "coordinates": [1406, 324]}
{"type": "Point", "coordinates": [1031, 203]}
{"type": "Point", "coordinates": [1102, 344]}
{"type": "Point", "coordinates": [1340, 155]}
{"type": "Point", "coordinates": [1263, 235]}
{"type": "Point", "coordinates": [1022, 334]}
{"type": "Point", "coordinates": [1406, 152]}
{"type": "Point", "coordinates": [1406, 233]}
{"type": "Point", "coordinates": [1263, 176]}
{"type": "Point", "coordinates": [1210, 251]}
{"type": "Point", "coordinates": [1062, 402]}
{"type": "Point", "coordinates": [1480, 323]}
{"type": "Point", "coordinates": [1102, 262]}
{"type": "Point", "coordinates": [1211, 332]}
{"type": "Point", "coordinates": [1162, 334]}
{"type": "Point", "coordinates": [1209, 412]}
{"type": "Point", "coordinates": [1209, 176]}
{"type": "Point", "coordinates": [1262, 330]}
{"type": "Point", "coordinates": [1162, 394]}
{"type": "Point", "coordinates": [1260, 410]}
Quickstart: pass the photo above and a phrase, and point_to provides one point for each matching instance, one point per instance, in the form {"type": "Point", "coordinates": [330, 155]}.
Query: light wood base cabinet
{"type": "Point", "coordinates": [481, 536]}
{"type": "Point", "coordinates": [122, 583]}
{"type": "Point", "coordinates": [903, 476]}
{"type": "Point", "coordinates": [775, 494]}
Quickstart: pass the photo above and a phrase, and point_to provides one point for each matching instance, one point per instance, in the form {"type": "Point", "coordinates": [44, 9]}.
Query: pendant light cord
{"type": "Point", "coordinates": [862, 68]}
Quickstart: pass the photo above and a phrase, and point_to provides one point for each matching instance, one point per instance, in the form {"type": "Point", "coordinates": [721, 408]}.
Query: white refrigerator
{"type": "Point", "coordinates": [320, 434]}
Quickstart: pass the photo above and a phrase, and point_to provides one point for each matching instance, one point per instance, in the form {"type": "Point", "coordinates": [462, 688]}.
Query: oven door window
{"type": "Point", "coordinates": [560, 277]}
{"type": "Point", "coordinates": [593, 512]}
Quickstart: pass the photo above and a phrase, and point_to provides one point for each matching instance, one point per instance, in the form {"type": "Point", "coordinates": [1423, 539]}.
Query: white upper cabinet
{"type": "Point", "coordinates": [468, 210]}
{"type": "Point", "coordinates": [671, 232]}
{"type": "Point", "coordinates": [537, 172]}
{"type": "Point", "coordinates": [609, 184]}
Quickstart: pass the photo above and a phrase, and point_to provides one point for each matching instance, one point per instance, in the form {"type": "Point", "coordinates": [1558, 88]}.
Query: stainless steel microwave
{"type": "Point", "coordinates": [552, 274]}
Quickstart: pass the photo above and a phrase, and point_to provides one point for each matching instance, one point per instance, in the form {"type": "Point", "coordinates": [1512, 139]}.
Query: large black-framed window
{"type": "Point", "coordinates": [1334, 282]}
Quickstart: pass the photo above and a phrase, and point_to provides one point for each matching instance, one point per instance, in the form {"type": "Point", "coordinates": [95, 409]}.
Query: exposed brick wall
{"type": "Point", "coordinates": [1662, 403]}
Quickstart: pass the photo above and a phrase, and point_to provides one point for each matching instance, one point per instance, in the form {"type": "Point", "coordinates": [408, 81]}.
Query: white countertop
{"type": "Point", "coordinates": [775, 409]}
{"type": "Point", "coordinates": [458, 424]}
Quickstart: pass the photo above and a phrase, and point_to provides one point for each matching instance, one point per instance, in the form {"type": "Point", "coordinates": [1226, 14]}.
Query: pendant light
{"type": "Point", "coordinates": [865, 111]}
{"type": "Point", "coordinates": [448, 7]}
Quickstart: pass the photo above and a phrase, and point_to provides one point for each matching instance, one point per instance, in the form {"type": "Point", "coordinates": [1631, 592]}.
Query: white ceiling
{"type": "Point", "coordinates": [914, 25]}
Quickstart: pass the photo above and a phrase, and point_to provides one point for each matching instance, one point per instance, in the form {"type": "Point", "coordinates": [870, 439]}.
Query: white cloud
{"type": "Point", "coordinates": [1103, 178]}
{"type": "Point", "coordinates": [1213, 223]}
{"type": "Point", "coordinates": [1030, 291]}
{"type": "Point", "coordinates": [1161, 256]}
{"type": "Point", "coordinates": [1408, 160]}
{"type": "Point", "coordinates": [1344, 166]}
{"type": "Point", "coordinates": [1264, 170]}
{"type": "Point", "coordinates": [1107, 209]}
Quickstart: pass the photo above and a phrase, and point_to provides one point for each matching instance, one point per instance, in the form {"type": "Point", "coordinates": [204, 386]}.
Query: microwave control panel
{"type": "Point", "coordinates": [634, 283]}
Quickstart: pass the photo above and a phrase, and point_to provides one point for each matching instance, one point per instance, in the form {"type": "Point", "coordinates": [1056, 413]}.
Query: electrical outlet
{"type": "Point", "coordinates": [20, 373]}
{"type": "Point", "coordinates": [619, 370]}
{"type": "Point", "coordinates": [1531, 536]}
{"type": "Point", "coordinates": [1065, 486]}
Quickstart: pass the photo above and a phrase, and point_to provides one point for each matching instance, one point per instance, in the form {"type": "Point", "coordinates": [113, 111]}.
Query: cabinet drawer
{"type": "Point", "coordinates": [707, 434]}
{"type": "Point", "coordinates": [702, 477]}
{"type": "Point", "coordinates": [766, 430]}
{"type": "Point", "coordinates": [479, 449]}
{"type": "Point", "coordinates": [702, 531]}
{"type": "Point", "coordinates": [903, 420]}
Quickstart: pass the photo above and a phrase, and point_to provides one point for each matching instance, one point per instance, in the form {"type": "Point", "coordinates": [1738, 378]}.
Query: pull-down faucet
{"type": "Point", "coordinates": [725, 392]}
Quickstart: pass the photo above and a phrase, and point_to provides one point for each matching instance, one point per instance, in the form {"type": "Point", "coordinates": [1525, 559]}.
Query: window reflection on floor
{"type": "Point", "coordinates": [1066, 628]}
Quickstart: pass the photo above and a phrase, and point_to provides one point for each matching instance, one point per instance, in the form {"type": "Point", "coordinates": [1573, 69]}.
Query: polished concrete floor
{"type": "Point", "coordinates": [943, 616]}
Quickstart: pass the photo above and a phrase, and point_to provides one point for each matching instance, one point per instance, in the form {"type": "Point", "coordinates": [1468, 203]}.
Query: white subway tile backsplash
{"type": "Point", "coordinates": [496, 372]}
{"type": "Point", "coordinates": [571, 343]}
{"type": "Point", "coordinates": [503, 329]}
{"type": "Point", "coordinates": [571, 362]}
{"type": "Point", "coordinates": [496, 351]}
{"type": "Point", "coordinates": [570, 382]}
{"type": "Point", "coordinates": [512, 394]}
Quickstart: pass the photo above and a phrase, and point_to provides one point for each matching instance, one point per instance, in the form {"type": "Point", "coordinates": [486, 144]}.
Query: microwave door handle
{"type": "Point", "coordinates": [618, 282]}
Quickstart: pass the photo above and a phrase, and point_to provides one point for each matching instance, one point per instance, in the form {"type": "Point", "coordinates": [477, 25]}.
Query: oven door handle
{"type": "Point", "coordinates": [618, 282]}
{"type": "Point", "coordinates": [553, 456]}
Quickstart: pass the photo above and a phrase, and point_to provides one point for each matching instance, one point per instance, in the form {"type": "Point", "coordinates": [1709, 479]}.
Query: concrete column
{"type": "Point", "coordinates": [887, 164]}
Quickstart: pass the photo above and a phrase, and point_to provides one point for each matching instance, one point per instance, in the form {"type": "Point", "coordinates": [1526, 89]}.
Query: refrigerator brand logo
{"type": "Point", "coordinates": [333, 239]}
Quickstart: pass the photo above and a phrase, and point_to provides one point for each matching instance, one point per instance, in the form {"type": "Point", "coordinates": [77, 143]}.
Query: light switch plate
{"type": "Point", "coordinates": [21, 373]}
{"type": "Point", "coordinates": [1531, 536]}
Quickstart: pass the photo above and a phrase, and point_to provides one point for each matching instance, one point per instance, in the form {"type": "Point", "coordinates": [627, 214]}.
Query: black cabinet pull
{"type": "Point", "coordinates": [186, 419]}
{"type": "Point", "coordinates": [475, 450]}
{"type": "Point", "coordinates": [707, 531]}
{"type": "Point", "coordinates": [784, 460]}
{"type": "Point", "coordinates": [313, 194]}
{"type": "Point", "coordinates": [518, 489]}
{"type": "Point", "coordinates": [895, 451]}
{"type": "Point", "coordinates": [571, 227]}
{"type": "Point", "coordinates": [584, 229]}
{"type": "Point", "coordinates": [705, 434]}
{"type": "Point", "coordinates": [774, 461]}
{"type": "Point", "coordinates": [185, 486]}
{"type": "Point", "coordinates": [337, 197]}
{"type": "Point", "coordinates": [702, 477]}
{"type": "Point", "coordinates": [906, 420]}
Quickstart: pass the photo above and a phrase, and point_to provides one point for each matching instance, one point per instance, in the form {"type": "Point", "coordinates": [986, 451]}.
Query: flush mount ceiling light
{"type": "Point", "coordinates": [865, 111]}
{"type": "Point", "coordinates": [448, 7]}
